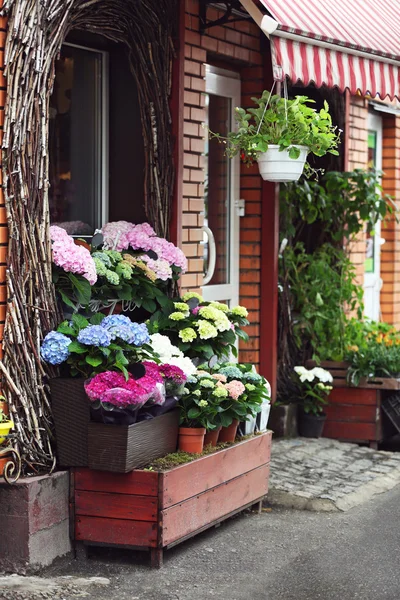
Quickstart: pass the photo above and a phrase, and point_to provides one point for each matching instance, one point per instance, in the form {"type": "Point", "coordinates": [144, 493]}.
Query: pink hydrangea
{"type": "Point", "coordinates": [58, 233]}
{"type": "Point", "coordinates": [173, 373]}
{"type": "Point", "coordinates": [152, 370]}
{"type": "Point", "coordinates": [115, 235]}
{"type": "Point", "coordinates": [235, 388]}
{"type": "Point", "coordinates": [160, 267]}
{"type": "Point", "coordinates": [139, 240]}
{"type": "Point", "coordinates": [114, 388]}
{"type": "Point", "coordinates": [145, 228]}
{"type": "Point", "coordinates": [70, 257]}
{"type": "Point", "coordinates": [219, 377]}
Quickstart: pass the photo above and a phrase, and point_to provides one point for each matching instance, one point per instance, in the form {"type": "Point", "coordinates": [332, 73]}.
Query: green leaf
{"type": "Point", "coordinates": [79, 321]}
{"type": "Point", "coordinates": [66, 299]}
{"type": "Point", "coordinates": [82, 288]}
{"type": "Point", "coordinates": [97, 318]}
{"type": "Point", "coordinates": [77, 348]}
{"type": "Point", "coordinates": [193, 413]}
{"type": "Point", "coordinates": [65, 329]}
{"type": "Point", "coordinates": [94, 361]}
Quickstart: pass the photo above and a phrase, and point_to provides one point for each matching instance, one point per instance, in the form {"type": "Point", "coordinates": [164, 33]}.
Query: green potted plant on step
{"type": "Point", "coordinates": [6, 424]}
{"type": "Point", "coordinates": [314, 389]}
{"type": "Point", "coordinates": [279, 134]}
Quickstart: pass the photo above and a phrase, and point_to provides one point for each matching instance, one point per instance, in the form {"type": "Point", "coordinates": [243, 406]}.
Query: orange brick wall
{"type": "Point", "coordinates": [236, 46]}
{"type": "Point", "coordinates": [358, 159]}
{"type": "Point", "coordinates": [3, 218]}
{"type": "Point", "coordinates": [390, 251]}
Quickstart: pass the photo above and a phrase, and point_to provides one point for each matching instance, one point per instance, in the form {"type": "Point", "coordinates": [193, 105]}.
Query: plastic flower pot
{"type": "Point", "coordinates": [228, 434]}
{"type": "Point", "coordinates": [310, 425]}
{"type": "Point", "coordinates": [211, 437]}
{"type": "Point", "coordinates": [191, 439]}
{"type": "Point", "coordinates": [279, 167]}
{"type": "Point", "coordinates": [3, 461]}
{"type": "Point", "coordinates": [250, 425]}
{"type": "Point", "coordinates": [5, 429]}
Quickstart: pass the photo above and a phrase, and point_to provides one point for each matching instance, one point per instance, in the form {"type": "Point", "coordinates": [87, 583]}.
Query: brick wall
{"type": "Point", "coordinates": [390, 251]}
{"type": "Point", "coordinates": [358, 159]}
{"type": "Point", "coordinates": [3, 218]}
{"type": "Point", "coordinates": [236, 47]}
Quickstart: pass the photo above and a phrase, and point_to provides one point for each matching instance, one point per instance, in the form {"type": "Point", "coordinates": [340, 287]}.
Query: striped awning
{"type": "Point", "coordinates": [352, 44]}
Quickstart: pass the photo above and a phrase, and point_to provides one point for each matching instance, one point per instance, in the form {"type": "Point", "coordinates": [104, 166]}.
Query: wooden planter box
{"type": "Point", "coordinates": [354, 413]}
{"type": "Point", "coordinates": [150, 510]}
{"type": "Point", "coordinates": [122, 448]}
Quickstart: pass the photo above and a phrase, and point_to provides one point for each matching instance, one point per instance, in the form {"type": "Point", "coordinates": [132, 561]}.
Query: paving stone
{"type": "Point", "coordinates": [323, 474]}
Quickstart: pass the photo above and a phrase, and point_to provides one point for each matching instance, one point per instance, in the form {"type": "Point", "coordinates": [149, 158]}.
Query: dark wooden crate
{"type": "Point", "coordinates": [338, 371]}
{"type": "Point", "coordinates": [71, 411]}
{"type": "Point", "coordinates": [157, 510]}
{"type": "Point", "coordinates": [122, 448]}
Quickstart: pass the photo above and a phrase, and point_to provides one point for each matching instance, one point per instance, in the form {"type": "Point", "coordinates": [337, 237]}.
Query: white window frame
{"type": "Point", "coordinates": [227, 84]}
{"type": "Point", "coordinates": [373, 281]}
{"type": "Point", "coordinates": [102, 208]}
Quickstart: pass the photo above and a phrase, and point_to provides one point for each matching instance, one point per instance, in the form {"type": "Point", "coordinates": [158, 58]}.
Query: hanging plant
{"type": "Point", "coordinates": [279, 134]}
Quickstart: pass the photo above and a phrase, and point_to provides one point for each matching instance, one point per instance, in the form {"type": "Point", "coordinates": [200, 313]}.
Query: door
{"type": "Point", "coordinates": [221, 192]}
{"type": "Point", "coordinates": [372, 264]}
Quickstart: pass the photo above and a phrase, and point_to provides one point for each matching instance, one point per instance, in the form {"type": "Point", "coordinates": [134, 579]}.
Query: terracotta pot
{"type": "Point", "coordinates": [4, 407]}
{"type": "Point", "coordinates": [191, 439]}
{"type": "Point", "coordinates": [211, 437]}
{"type": "Point", "coordinates": [228, 434]}
{"type": "Point", "coordinates": [3, 461]}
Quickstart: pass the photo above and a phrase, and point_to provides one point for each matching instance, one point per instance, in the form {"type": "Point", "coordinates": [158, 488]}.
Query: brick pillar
{"type": "Point", "coordinates": [390, 251]}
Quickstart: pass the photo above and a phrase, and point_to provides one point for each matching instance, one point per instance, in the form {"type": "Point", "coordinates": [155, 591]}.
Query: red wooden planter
{"type": "Point", "coordinates": [354, 414]}
{"type": "Point", "coordinates": [156, 510]}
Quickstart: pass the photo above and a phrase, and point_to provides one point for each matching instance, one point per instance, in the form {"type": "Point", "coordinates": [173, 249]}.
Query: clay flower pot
{"type": "Point", "coordinates": [228, 434]}
{"type": "Point", "coordinates": [191, 439]}
{"type": "Point", "coordinates": [5, 429]}
{"type": "Point", "coordinates": [211, 437]}
{"type": "Point", "coordinates": [4, 407]}
{"type": "Point", "coordinates": [3, 461]}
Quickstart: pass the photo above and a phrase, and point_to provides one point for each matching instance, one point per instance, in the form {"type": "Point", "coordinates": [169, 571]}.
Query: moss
{"type": "Point", "coordinates": [181, 458]}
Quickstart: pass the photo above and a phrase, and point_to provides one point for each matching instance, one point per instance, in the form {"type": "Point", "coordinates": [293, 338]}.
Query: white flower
{"type": "Point", "coordinates": [184, 363]}
{"type": "Point", "coordinates": [161, 344]}
{"type": "Point", "coordinates": [304, 374]}
{"type": "Point", "coordinates": [322, 374]}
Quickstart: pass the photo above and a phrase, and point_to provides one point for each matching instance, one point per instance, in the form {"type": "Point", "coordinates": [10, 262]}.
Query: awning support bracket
{"type": "Point", "coordinates": [233, 12]}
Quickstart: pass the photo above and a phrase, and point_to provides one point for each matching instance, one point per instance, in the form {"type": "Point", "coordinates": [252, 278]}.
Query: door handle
{"type": "Point", "coordinates": [212, 256]}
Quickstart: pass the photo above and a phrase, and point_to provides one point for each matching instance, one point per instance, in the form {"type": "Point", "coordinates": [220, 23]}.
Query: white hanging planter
{"type": "Point", "coordinates": [250, 425]}
{"type": "Point", "coordinates": [279, 167]}
{"type": "Point", "coordinates": [263, 416]}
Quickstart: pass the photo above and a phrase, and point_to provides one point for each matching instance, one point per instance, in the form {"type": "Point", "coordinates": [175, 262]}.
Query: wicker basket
{"type": "Point", "coordinates": [122, 448]}
{"type": "Point", "coordinates": [71, 413]}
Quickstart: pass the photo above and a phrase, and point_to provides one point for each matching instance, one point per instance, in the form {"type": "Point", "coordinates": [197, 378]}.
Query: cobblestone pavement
{"type": "Point", "coordinates": [327, 475]}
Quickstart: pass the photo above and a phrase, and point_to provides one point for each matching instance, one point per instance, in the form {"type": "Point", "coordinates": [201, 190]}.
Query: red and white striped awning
{"type": "Point", "coordinates": [352, 44]}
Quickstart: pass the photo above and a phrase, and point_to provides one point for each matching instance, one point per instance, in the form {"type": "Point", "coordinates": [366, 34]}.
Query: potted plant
{"type": "Point", "coordinates": [314, 391]}
{"type": "Point", "coordinates": [201, 330]}
{"type": "Point", "coordinates": [133, 422]}
{"type": "Point", "coordinates": [6, 424]}
{"type": "Point", "coordinates": [279, 133]}
{"type": "Point", "coordinates": [4, 405]}
{"type": "Point", "coordinates": [82, 348]}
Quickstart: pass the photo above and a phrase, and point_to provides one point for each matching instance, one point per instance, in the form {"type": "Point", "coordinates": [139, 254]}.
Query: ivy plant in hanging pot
{"type": "Point", "coordinates": [279, 134]}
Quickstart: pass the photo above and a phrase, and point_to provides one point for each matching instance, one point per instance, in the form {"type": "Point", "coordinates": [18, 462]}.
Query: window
{"type": "Point", "coordinates": [78, 140]}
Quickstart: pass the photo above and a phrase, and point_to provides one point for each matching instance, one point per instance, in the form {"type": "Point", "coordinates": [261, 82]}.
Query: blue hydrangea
{"type": "Point", "coordinates": [253, 377]}
{"type": "Point", "coordinates": [94, 335]}
{"type": "Point", "coordinates": [121, 327]}
{"type": "Point", "coordinates": [231, 372]}
{"type": "Point", "coordinates": [54, 348]}
{"type": "Point", "coordinates": [113, 320]}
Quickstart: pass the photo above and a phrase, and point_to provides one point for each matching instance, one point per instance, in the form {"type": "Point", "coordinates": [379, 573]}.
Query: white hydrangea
{"type": "Point", "coordinates": [305, 374]}
{"type": "Point", "coordinates": [322, 374]}
{"type": "Point", "coordinates": [161, 344]}
{"type": "Point", "coordinates": [184, 363]}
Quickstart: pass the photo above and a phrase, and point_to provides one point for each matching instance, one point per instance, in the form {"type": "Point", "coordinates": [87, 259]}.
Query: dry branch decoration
{"type": "Point", "coordinates": [36, 31]}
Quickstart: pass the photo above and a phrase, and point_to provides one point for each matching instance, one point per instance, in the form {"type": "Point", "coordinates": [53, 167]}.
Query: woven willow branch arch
{"type": "Point", "coordinates": [36, 31]}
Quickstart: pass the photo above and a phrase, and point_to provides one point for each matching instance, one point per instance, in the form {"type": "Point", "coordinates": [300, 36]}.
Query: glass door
{"type": "Point", "coordinates": [221, 193]}
{"type": "Point", "coordinates": [372, 264]}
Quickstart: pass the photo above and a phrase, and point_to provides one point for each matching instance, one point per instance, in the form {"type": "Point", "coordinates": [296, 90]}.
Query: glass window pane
{"type": "Point", "coordinates": [369, 263]}
{"type": "Point", "coordinates": [218, 187]}
{"type": "Point", "coordinates": [75, 141]}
